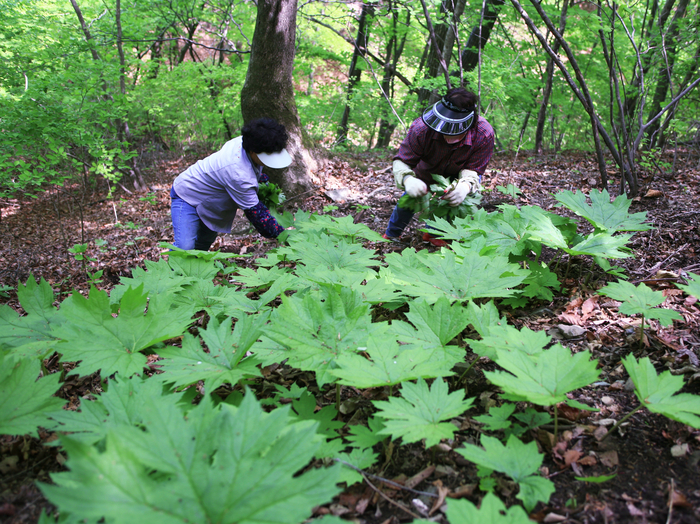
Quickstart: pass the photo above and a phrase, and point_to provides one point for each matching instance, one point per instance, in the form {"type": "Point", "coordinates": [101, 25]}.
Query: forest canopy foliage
{"type": "Point", "coordinates": [89, 88]}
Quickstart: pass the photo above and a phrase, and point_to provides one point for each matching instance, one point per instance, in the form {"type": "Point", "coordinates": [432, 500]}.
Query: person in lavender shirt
{"type": "Point", "coordinates": [449, 139]}
{"type": "Point", "coordinates": [205, 197]}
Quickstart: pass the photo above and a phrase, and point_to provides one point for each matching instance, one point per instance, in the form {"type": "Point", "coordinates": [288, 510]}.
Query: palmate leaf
{"type": "Point", "coordinates": [340, 226]}
{"type": "Point", "coordinates": [35, 327]}
{"type": "Point", "coordinates": [219, 464]}
{"type": "Point", "coordinates": [544, 378]}
{"type": "Point", "coordinates": [366, 437]}
{"type": "Point", "coordinates": [223, 364]}
{"type": "Point", "coordinates": [491, 511]}
{"type": "Point", "coordinates": [90, 333]}
{"type": "Point", "coordinates": [421, 412]}
{"type": "Point", "coordinates": [313, 330]}
{"type": "Point", "coordinates": [693, 286]}
{"type": "Point", "coordinates": [657, 392]}
{"type": "Point", "coordinates": [541, 228]}
{"type": "Point", "coordinates": [602, 245]}
{"type": "Point", "coordinates": [640, 300]}
{"type": "Point", "coordinates": [25, 401]}
{"type": "Point", "coordinates": [360, 459]}
{"type": "Point", "coordinates": [389, 363]}
{"type": "Point", "coordinates": [324, 259]}
{"type": "Point", "coordinates": [442, 320]}
{"type": "Point", "coordinates": [603, 214]}
{"type": "Point", "coordinates": [517, 460]}
{"type": "Point", "coordinates": [118, 405]}
{"type": "Point", "coordinates": [509, 339]}
{"type": "Point", "coordinates": [442, 275]}
{"type": "Point", "coordinates": [157, 279]}
{"type": "Point", "coordinates": [483, 317]}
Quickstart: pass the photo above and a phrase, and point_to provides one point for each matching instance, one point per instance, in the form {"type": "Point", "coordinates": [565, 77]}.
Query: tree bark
{"type": "Point", "coordinates": [478, 38]}
{"type": "Point", "coordinates": [542, 114]}
{"type": "Point", "coordinates": [668, 48]}
{"type": "Point", "coordinates": [268, 89]}
{"type": "Point", "coordinates": [355, 73]}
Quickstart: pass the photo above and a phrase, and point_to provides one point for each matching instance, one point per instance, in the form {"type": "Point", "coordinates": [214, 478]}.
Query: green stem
{"type": "Point", "coordinates": [461, 377]}
{"type": "Point", "coordinates": [337, 397]}
{"type": "Point", "coordinates": [621, 421]}
{"type": "Point", "coordinates": [641, 334]}
{"type": "Point", "coordinates": [556, 423]}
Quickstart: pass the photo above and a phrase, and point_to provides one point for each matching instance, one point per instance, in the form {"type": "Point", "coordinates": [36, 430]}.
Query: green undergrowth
{"type": "Point", "coordinates": [206, 437]}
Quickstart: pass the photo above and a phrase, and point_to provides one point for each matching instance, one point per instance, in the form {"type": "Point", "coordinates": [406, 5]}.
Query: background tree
{"type": "Point", "coordinates": [268, 90]}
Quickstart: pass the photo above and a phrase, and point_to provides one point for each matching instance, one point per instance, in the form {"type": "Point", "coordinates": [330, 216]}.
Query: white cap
{"type": "Point", "coordinates": [276, 160]}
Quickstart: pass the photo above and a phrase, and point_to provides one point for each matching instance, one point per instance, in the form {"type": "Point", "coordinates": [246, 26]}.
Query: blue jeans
{"type": "Point", "coordinates": [190, 231]}
{"type": "Point", "coordinates": [398, 221]}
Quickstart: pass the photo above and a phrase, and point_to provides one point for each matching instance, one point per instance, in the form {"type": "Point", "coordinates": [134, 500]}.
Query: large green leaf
{"type": "Point", "coordinates": [35, 327]}
{"type": "Point", "coordinates": [543, 378]}
{"type": "Point", "coordinates": [508, 338]}
{"type": "Point", "coordinates": [389, 363]}
{"type": "Point", "coordinates": [24, 400]}
{"type": "Point", "coordinates": [224, 363]}
{"type": "Point", "coordinates": [313, 330]}
{"type": "Point", "coordinates": [421, 412]}
{"type": "Point", "coordinates": [92, 335]}
{"type": "Point", "coordinates": [640, 300]}
{"type": "Point", "coordinates": [491, 511]}
{"type": "Point", "coordinates": [442, 275]}
{"type": "Point", "coordinates": [603, 214]}
{"type": "Point", "coordinates": [157, 279]}
{"type": "Point", "coordinates": [219, 465]}
{"type": "Point", "coordinates": [693, 286]}
{"type": "Point", "coordinates": [516, 459]}
{"type": "Point", "coordinates": [657, 392]}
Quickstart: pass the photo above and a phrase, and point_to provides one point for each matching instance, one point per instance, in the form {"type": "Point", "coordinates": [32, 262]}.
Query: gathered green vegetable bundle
{"type": "Point", "coordinates": [271, 195]}
{"type": "Point", "coordinates": [433, 206]}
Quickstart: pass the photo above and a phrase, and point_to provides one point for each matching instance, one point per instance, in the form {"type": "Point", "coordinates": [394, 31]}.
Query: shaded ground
{"type": "Point", "coordinates": [655, 460]}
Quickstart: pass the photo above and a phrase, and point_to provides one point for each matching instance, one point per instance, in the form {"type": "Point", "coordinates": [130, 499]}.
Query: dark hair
{"type": "Point", "coordinates": [462, 98]}
{"type": "Point", "coordinates": [264, 135]}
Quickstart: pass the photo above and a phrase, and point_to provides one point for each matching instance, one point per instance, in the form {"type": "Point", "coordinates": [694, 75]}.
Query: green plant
{"type": "Point", "coordinates": [640, 300]}
{"type": "Point", "coordinates": [510, 190]}
{"type": "Point", "coordinates": [176, 464]}
{"type": "Point", "coordinates": [432, 205]}
{"type": "Point", "coordinates": [693, 285]}
{"type": "Point", "coordinates": [422, 412]}
{"type": "Point", "coordinates": [657, 393]}
{"type": "Point", "coordinates": [79, 252]}
{"type": "Point", "coordinates": [517, 460]}
{"type": "Point", "coordinates": [25, 402]}
{"type": "Point", "coordinates": [271, 195]}
{"type": "Point", "coordinates": [149, 197]}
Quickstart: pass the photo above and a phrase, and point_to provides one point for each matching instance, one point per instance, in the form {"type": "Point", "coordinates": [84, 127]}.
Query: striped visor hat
{"type": "Point", "coordinates": [448, 119]}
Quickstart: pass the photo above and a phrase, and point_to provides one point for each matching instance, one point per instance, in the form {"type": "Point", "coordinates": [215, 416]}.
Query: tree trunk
{"type": "Point", "coordinates": [542, 114]}
{"type": "Point", "coordinates": [478, 38]}
{"type": "Point", "coordinates": [436, 61]}
{"type": "Point", "coordinates": [668, 48]}
{"type": "Point", "coordinates": [268, 89]}
{"type": "Point", "coordinates": [355, 73]}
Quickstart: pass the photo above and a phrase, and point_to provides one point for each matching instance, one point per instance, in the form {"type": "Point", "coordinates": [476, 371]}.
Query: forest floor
{"type": "Point", "coordinates": [654, 460]}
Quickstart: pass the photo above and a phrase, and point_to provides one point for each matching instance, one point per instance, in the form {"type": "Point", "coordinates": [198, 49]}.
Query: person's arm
{"type": "Point", "coordinates": [482, 149]}
{"type": "Point", "coordinates": [259, 215]}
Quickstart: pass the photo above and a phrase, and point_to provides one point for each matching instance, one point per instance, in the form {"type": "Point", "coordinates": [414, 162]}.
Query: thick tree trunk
{"type": "Point", "coordinates": [668, 46]}
{"type": "Point", "coordinates": [268, 89]}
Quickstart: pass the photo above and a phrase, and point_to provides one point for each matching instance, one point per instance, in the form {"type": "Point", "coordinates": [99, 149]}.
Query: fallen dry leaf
{"type": "Point", "coordinates": [609, 458]}
{"type": "Point", "coordinates": [653, 193]}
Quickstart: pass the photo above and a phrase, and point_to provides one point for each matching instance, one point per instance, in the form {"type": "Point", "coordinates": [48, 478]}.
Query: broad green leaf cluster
{"type": "Point", "coordinates": [177, 342]}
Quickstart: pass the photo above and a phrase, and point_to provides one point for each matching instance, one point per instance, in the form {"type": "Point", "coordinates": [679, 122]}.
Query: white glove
{"type": "Point", "coordinates": [468, 184]}
{"type": "Point", "coordinates": [415, 187]}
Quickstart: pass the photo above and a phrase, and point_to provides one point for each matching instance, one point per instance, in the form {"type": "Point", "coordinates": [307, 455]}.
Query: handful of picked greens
{"type": "Point", "coordinates": [271, 195]}
{"type": "Point", "coordinates": [432, 205]}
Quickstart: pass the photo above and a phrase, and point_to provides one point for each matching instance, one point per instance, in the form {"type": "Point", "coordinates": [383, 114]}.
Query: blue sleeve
{"type": "Point", "coordinates": [263, 221]}
{"type": "Point", "coordinates": [264, 179]}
